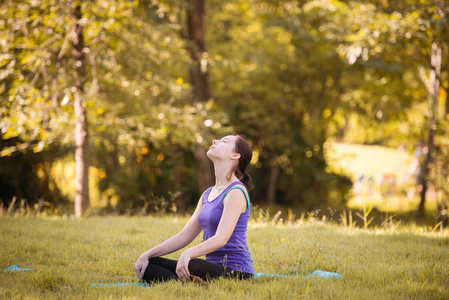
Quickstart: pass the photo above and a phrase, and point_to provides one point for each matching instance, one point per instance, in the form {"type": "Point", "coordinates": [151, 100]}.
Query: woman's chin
{"type": "Point", "coordinates": [211, 154]}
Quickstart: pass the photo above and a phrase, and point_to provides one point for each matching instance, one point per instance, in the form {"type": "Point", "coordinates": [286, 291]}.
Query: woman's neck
{"type": "Point", "coordinates": [222, 172]}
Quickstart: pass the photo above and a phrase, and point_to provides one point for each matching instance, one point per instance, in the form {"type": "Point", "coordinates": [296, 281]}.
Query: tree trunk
{"type": "Point", "coordinates": [198, 80]}
{"type": "Point", "coordinates": [446, 112]}
{"type": "Point", "coordinates": [271, 190]}
{"type": "Point", "coordinates": [443, 206]}
{"type": "Point", "coordinates": [205, 169]}
{"type": "Point", "coordinates": [198, 72]}
{"type": "Point", "coordinates": [434, 91]}
{"type": "Point", "coordinates": [81, 130]}
{"type": "Point", "coordinates": [184, 198]}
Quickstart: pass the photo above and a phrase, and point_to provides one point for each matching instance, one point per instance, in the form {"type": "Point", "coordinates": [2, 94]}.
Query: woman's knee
{"type": "Point", "coordinates": [204, 269]}
{"type": "Point", "coordinates": [153, 261]}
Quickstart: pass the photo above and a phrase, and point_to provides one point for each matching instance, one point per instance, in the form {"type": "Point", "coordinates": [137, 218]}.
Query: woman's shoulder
{"type": "Point", "coordinates": [235, 188]}
{"type": "Point", "coordinates": [239, 194]}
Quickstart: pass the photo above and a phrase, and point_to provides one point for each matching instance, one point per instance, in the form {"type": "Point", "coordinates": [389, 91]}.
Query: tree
{"type": "Point", "coordinates": [198, 79]}
{"type": "Point", "coordinates": [434, 92]}
{"type": "Point", "coordinates": [34, 74]}
{"type": "Point", "coordinates": [81, 124]}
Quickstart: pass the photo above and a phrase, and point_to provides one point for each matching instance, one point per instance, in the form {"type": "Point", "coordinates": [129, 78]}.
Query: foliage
{"type": "Point", "coordinates": [289, 75]}
{"type": "Point", "coordinates": [29, 181]}
{"type": "Point", "coordinates": [271, 60]}
{"type": "Point", "coordinates": [138, 102]}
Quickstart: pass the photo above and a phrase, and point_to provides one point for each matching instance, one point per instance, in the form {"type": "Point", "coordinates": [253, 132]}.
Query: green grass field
{"type": "Point", "coordinates": [387, 263]}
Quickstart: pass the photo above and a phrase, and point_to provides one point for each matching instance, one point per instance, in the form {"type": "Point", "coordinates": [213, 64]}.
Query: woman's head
{"type": "Point", "coordinates": [235, 150]}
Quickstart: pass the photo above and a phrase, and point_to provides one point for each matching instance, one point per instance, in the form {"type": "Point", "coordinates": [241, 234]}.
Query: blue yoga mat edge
{"type": "Point", "coordinates": [314, 274]}
{"type": "Point", "coordinates": [15, 268]}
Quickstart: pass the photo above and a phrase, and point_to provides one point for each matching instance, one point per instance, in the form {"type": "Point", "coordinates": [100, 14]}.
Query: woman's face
{"type": "Point", "coordinates": [224, 148]}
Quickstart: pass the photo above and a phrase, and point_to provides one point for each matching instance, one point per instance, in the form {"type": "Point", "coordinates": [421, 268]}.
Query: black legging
{"type": "Point", "coordinates": [163, 269]}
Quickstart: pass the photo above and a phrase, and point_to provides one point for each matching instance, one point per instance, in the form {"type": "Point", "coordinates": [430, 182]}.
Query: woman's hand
{"type": "Point", "coordinates": [182, 268]}
{"type": "Point", "coordinates": [141, 265]}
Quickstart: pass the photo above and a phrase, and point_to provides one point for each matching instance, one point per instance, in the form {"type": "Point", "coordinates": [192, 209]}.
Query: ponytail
{"type": "Point", "coordinates": [242, 147]}
{"type": "Point", "coordinates": [246, 180]}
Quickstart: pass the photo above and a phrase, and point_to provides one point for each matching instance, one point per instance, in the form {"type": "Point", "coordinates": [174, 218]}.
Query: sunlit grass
{"type": "Point", "coordinates": [369, 160]}
{"type": "Point", "coordinates": [373, 162]}
{"type": "Point", "coordinates": [389, 262]}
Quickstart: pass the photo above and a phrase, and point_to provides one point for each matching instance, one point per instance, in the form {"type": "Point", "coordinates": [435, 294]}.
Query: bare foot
{"type": "Point", "coordinates": [198, 280]}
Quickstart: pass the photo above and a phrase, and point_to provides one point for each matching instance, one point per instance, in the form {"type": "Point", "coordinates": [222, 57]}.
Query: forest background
{"type": "Point", "coordinates": [111, 105]}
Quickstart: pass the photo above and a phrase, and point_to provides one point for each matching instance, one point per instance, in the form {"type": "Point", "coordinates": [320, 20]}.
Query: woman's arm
{"type": "Point", "coordinates": [234, 205]}
{"type": "Point", "coordinates": [176, 242]}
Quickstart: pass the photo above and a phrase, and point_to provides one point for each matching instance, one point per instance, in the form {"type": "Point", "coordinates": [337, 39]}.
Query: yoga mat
{"type": "Point", "coordinates": [324, 274]}
{"type": "Point", "coordinates": [15, 268]}
{"type": "Point", "coordinates": [139, 284]}
{"type": "Point", "coordinates": [314, 274]}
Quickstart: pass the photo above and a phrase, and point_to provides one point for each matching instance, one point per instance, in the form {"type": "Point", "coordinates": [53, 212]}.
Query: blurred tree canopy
{"type": "Point", "coordinates": [289, 75]}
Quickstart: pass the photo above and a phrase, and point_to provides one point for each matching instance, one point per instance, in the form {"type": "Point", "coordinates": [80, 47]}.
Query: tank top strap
{"type": "Point", "coordinates": [206, 195]}
{"type": "Point", "coordinates": [233, 186]}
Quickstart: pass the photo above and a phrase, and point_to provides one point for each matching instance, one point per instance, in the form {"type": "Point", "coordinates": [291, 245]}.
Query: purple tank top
{"type": "Point", "coordinates": [235, 254]}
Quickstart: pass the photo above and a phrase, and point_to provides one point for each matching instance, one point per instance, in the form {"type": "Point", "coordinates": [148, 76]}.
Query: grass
{"type": "Point", "coordinates": [406, 262]}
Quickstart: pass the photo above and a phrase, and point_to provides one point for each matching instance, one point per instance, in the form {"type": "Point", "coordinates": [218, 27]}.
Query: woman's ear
{"type": "Point", "coordinates": [235, 156]}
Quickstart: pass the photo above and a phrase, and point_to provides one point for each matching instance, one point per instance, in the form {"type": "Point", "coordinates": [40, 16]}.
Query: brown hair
{"type": "Point", "coordinates": [242, 147]}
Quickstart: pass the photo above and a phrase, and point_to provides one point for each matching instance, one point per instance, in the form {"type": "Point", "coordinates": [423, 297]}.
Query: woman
{"type": "Point", "coordinates": [222, 214]}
